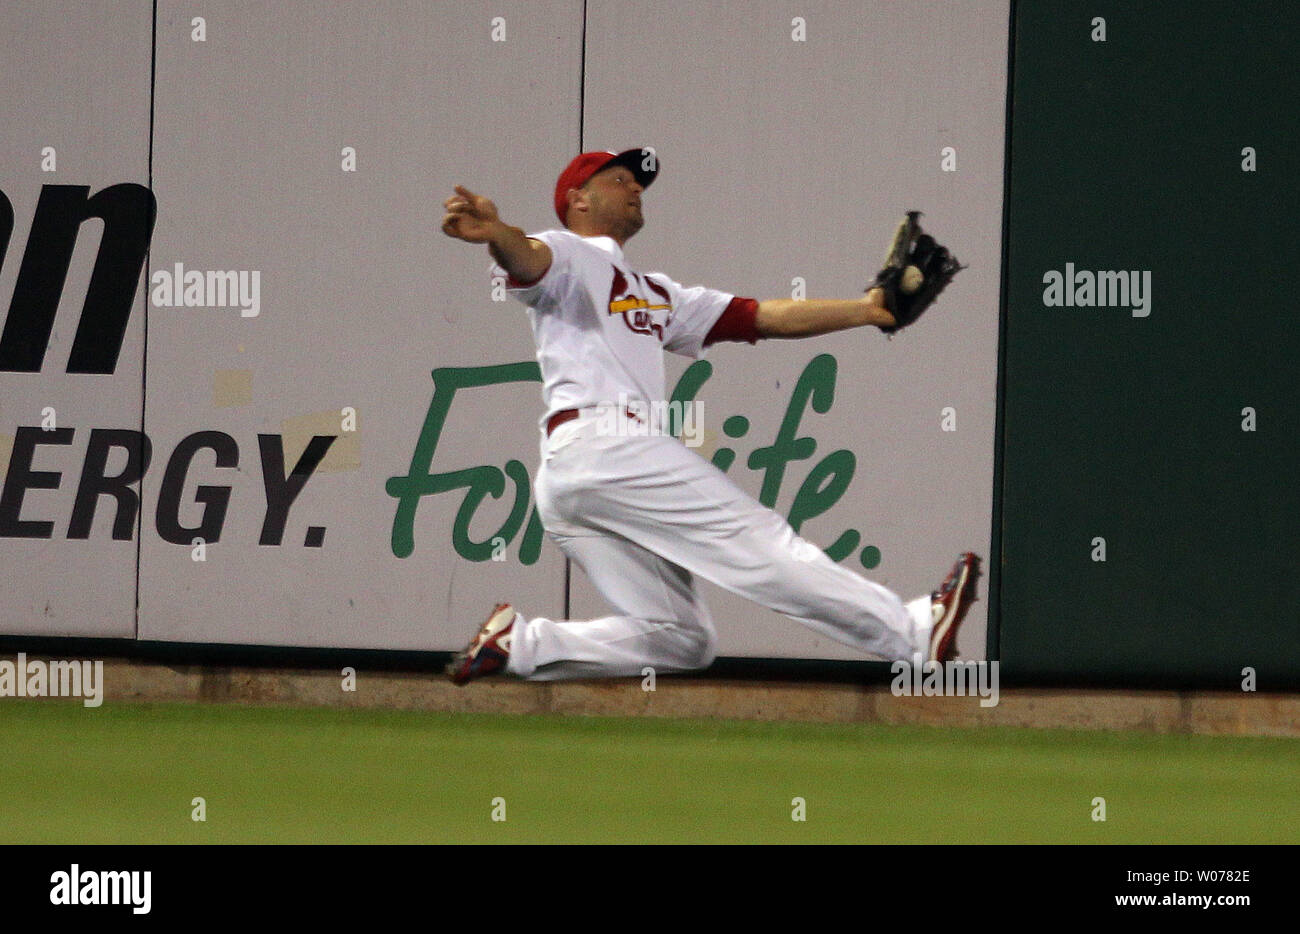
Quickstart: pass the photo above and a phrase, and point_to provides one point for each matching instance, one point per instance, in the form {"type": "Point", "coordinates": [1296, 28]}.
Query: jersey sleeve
{"type": "Point", "coordinates": [561, 244]}
{"type": "Point", "coordinates": [695, 311]}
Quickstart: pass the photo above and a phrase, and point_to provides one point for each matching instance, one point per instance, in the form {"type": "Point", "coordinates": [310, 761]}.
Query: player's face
{"type": "Point", "coordinates": [614, 201]}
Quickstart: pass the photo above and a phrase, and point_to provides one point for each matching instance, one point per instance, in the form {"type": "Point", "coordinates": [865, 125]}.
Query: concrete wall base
{"type": "Point", "coordinates": [1204, 712]}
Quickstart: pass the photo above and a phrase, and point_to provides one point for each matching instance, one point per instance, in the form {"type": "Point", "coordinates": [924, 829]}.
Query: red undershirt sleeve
{"type": "Point", "coordinates": [739, 322]}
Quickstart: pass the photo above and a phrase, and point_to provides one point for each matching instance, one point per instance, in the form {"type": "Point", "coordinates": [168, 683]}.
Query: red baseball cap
{"type": "Point", "coordinates": [588, 164]}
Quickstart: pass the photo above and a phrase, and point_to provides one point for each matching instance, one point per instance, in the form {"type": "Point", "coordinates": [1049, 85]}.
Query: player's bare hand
{"type": "Point", "coordinates": [470, 217]}
{"type": "Point", "coordinates": [881, 316]}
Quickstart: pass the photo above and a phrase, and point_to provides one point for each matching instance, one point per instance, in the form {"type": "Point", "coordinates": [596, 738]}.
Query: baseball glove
{"type": "Point", "coordinates": [916, 270]}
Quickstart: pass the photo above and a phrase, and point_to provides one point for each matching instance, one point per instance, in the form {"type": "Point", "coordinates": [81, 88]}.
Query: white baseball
{"type": "Point", "coordinates": [911, 280]}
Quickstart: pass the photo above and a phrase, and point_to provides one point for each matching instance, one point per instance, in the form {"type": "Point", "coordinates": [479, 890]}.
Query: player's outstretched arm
{"type": "Point", "coordinates": [789, 317]}
{"type": "Point", "coordinates": [474, 219]}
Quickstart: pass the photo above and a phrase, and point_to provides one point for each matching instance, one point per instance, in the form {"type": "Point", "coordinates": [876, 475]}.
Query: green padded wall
{"type": "Point", "coordinates": [1127, 155]}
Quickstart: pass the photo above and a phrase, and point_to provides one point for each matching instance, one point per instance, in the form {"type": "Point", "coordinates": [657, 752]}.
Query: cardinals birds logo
{"type": "Point", "coordinates": [636, 311]}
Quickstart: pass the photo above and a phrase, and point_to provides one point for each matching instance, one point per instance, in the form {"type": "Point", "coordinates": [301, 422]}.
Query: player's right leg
{"type": "Point", "coordinates": [660, 623]}
{"type": "Point", "coordinates": [659, 619]}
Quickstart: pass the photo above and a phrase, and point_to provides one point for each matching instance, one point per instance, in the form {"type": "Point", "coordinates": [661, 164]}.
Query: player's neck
{"type": "Point", "coordinates": [621, 240]}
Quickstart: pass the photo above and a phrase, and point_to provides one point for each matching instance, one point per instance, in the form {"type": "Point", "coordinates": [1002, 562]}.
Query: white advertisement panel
{"type": "Point", "coordinates": [791, 141]}
{"type": "Point", "coordinates": [309, 152]}
{"type": "Point", "coordinates": [340, 407]}
{"type": "Point", "coordinates": [75, 217]}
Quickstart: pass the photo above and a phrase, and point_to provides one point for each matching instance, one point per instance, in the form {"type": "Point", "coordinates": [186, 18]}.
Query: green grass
{"type": "Point", "coordinates": [126, 773]}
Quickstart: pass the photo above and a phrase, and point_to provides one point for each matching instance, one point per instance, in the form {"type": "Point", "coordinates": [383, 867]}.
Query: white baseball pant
{"type": "Point", "coordinates": [642, 517]}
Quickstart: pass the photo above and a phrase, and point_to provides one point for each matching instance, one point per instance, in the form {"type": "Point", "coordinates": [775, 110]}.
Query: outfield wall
{"type": "Point", "coordinates": [149, 440]}
{"type": "Point", "coordinates": [377, 341]}
{"type": "Point", "coordinates": [1149, 506]}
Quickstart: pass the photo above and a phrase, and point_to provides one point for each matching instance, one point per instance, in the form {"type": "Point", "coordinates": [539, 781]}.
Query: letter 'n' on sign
{"type": "Point", "coordinates": [128, 212]}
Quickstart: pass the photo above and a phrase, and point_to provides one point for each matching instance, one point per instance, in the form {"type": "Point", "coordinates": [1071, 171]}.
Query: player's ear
{"type": "Point", "coordinates": [576, 198]}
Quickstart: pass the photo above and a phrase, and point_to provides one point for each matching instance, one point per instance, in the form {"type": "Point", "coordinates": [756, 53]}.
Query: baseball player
{"type": "Point", "coordinates": [639, 512]}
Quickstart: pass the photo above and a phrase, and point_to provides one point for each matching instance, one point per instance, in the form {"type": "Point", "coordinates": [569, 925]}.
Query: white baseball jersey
{"type": "Point", "coordinates": [601, 327]}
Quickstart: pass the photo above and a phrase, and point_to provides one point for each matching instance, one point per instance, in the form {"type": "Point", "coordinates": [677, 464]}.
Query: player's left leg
{"type": "Point", "coordinates": [656, 493]}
